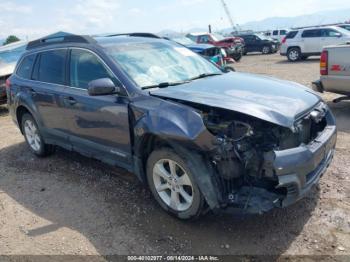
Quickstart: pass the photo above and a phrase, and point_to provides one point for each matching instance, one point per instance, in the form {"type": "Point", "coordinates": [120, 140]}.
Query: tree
{"type": "Point", "coordinates": [11, 39]}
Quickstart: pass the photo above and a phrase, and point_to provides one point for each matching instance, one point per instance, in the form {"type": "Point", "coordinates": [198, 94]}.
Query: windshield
{"type": "Point", "coordinates": [155, 63]}
{"type": "Point", "coordinates": [183, 40]}
{"type": "Point", "coordinates": [347, 27]}
{"type": "Point", "coordinates": [12, 55]}
{"type": "Point", "coordinates": [263, 37]}
{"type": "Point", "coordinates": [343, 31]}
{"type": "Point", "coordinates": [217, 37]}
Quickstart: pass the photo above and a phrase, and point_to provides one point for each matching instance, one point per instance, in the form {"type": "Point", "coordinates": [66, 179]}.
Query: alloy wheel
{"type": "Point", "coordinates": [32, 135]}
{"type": "Point", "coordinates": [173, 184]}
{"type": "Point", "coordinates": [294, 55]}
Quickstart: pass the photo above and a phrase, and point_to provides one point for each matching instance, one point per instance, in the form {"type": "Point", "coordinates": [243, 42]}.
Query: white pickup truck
{"type": "Point", "coordinates": [335, 71]}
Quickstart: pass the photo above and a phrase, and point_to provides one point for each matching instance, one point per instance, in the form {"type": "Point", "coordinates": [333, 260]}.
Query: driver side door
{"type": "Point", "coordinates": [98, 125]}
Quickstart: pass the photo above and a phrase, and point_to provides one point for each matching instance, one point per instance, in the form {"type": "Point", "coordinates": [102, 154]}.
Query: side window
{"type": "Point", "coordinates": [283, 32]}
{"type": "Point", "coordinates": [311, 33]}
{"type": "Point", "coordinates": [291, 34]}
{"type": "Point", "coordinates": [275, 32]}
{"type": "Point", "coordinates": [203, 39]}
{"type": "Point", "coordinates": [51, 67]}
{"type": "Point", "coordinates": [85, 67]}
{"type": "Point", "coordinates": [25, 68]}
{"type": "Point", "coordinates": [330, 33]}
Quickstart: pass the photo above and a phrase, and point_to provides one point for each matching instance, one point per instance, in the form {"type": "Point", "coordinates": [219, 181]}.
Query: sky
{"type": "Point", "coordinates": [35, 18]}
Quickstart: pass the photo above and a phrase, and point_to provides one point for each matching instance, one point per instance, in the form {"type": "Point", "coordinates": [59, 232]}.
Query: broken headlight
{"type": "Point", "coordinates": [233, 129]}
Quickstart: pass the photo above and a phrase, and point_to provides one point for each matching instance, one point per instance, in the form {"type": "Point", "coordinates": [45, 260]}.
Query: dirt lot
{"type": "Point", "coordinates": [68, 204]}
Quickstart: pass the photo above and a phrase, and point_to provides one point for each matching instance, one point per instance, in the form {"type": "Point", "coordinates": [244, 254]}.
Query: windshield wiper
{"type": "Point", "coordinates": [165, 84]}
{"type": "Point", "coordinates": [205, 75]}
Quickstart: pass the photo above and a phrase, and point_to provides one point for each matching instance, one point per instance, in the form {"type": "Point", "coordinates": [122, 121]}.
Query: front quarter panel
{"type": "Point", "coordinates": [182, 128]}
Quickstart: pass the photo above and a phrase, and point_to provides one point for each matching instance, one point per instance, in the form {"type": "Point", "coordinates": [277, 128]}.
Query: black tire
{"type": "Point", "coordinates": [42, 149]}
{"type": "Point", "coordinates": [294, 54]}
{"type": "Point", "coordinates": [237, 57]}
{"type": "Point", "coordinates": [266, 50]}
{"type": "Point", "coordinates": [197, 205]}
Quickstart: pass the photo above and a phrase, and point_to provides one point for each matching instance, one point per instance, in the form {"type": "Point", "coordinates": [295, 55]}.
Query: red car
{"type": "Point", "coordinates": [233, 45]}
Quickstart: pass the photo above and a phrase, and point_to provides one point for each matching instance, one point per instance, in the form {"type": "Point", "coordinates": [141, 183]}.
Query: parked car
{"type": "Point", "coordinates": [259, 43]}
{"type": "Point", "coordinates": [9, 55]}
{"type": "Point", "coordinates": [200, 138]}
{"type": "Point", "coordinates": [301, 43]}
{"type": "Point", "coordinates": [232, 45]}
{"type": "Point", "coordinates": [214, 54]}
{"type": "Point", "coordinates": [345, 26]}
{"type": "Point", "coordinates": [335, 71]}
{"type": "Point", "coordinates": [277, 34]}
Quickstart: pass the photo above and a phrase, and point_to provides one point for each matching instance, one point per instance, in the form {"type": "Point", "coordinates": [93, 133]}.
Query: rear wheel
{"type": "Point", "coordinates": [34, 138]}
{"type": "Point", "coordinates": [172, 184]}
{"type": "Point", "coordinates": [294, 54]}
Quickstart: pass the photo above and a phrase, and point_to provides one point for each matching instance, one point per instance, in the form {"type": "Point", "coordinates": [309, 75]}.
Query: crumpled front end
{"type": "Point", "coordinates": [259, 165]}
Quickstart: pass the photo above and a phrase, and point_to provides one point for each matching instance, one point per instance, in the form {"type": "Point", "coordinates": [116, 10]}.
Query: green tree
{"type": "Point", "coordinates": [11, 39]}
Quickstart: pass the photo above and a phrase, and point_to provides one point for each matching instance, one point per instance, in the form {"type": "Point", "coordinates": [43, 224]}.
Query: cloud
{"type": "Point", "coordinates": [8, 6]}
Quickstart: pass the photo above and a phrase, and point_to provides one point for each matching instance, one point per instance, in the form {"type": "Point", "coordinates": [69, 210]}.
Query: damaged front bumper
{"type": "Point", "coordinates": [297, 170]}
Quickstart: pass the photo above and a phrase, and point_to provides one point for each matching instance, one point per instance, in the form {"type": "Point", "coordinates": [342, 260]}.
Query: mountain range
{"type": "Point", "coordinates": [319, 18]}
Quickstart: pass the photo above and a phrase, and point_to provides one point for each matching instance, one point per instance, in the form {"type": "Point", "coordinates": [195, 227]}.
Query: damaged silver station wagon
{"type": "Point", "coordinates": [202, 139]}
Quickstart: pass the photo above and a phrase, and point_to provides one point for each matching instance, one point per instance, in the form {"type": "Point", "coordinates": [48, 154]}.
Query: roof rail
{"type": "Point", "coordinates": [302, 27]}
{"type": "Point", "coordinates": [60, 39]}
{"type": "Point", "coordinates": [149, 35]}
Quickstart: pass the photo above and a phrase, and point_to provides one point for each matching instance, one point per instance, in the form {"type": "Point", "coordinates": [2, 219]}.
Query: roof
{"type": "Point", "coordinates": [65, 38]}
{"type": "Point", "coordinates": [197, 34]}
{"type": "Point", "coordinates": [121, 39]}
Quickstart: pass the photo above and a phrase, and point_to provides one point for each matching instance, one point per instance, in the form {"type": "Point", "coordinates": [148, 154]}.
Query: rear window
{"type": "Point", "coordinates": [283, 32]}
{"type": "Point", "coordinates": [52, 67]}
{"type": "Point", "coordinates": [25, 68]}
{"type": "Point", "coordinates": [291, 34]}
{"type": "Point", "coordinates": [275, 32]}
{"type": "Point", "coordinates": [311, 33]}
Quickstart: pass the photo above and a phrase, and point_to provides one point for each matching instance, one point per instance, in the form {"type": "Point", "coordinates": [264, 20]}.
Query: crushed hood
{"type": "Point", "coordinates": [276, 101]}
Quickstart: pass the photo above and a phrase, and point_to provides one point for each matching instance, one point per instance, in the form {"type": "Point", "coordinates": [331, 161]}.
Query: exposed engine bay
{"type": "Point", "coordinates": [245, 152]}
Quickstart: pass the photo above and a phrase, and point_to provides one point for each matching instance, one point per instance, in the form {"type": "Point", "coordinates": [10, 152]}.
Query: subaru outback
{"type": "Point", "coordinates": [200, 138]}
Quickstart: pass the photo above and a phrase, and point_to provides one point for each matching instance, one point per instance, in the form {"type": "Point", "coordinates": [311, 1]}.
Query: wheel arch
{"type": "Point", "coordinates": [294, 46]}
{"type": "Point", "coordinates": [20, 111]}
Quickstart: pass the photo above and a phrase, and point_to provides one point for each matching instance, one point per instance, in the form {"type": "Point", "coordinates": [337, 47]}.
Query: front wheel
{"type": "Point", "coordinates": [266, 50]}
{"type": "Point", "coordinates": [34, 138]}
{"type": "Point", "coordinates": [237, 57]}
{"type": "Point", "coordinates": [172, 184]}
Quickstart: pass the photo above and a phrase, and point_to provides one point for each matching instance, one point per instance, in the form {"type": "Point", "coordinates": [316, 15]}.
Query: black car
{"type": "Point", "coordinates": [200, 138]}
{"type": "Point", "coordinates": [259, 43]}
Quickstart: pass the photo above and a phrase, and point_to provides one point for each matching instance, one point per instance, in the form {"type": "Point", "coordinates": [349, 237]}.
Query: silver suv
{"type": "Point", "coordinates": [301, 43]}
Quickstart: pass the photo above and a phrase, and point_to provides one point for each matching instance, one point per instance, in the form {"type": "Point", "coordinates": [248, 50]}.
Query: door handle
{"type": "Point", "coordinates": [70, 100]}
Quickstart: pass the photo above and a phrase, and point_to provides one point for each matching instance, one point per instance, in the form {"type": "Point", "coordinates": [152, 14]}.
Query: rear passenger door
{"type": "Point", "coordinates": [49, 81]}
{"type": "Point", "coordinates": [99, 125]}
{"type": "Point", "coordinates": [311, 40]}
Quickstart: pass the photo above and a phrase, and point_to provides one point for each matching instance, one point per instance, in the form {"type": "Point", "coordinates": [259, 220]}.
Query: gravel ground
{"type": "Point", "coordinates": [69, 204]}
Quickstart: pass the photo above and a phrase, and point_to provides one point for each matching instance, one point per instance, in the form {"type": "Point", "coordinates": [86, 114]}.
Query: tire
{"type": "Point", "coordinates": [174, 188]}
{"type": "Point", "coordinates": [294, 54]}
{"type": "Point", "coordinates": [266, 50]}
{"type": "Point", "coordinates": [34, 138]}
{"type": "Point", "coordinates": [237, 57]}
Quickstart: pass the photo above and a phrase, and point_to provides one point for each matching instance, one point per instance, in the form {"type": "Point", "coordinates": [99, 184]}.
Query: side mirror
{"type": "Point", "coordinates": [102, 87]}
